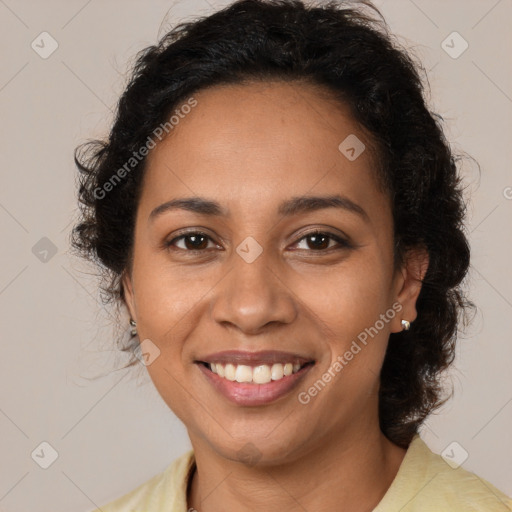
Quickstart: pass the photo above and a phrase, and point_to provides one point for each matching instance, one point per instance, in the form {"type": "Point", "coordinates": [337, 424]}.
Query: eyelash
{"type": "Point", "coordinates": [342, 243]}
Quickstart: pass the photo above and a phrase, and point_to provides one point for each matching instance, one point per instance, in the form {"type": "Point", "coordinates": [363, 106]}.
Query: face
{"type": "Point", "coordinates": [256, 273]}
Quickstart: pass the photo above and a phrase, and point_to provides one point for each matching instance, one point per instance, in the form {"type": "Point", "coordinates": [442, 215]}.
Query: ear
{"type": "Point", "coordinates": [128, 295]}
{"type": "Point", "coordinates": [408, 284]}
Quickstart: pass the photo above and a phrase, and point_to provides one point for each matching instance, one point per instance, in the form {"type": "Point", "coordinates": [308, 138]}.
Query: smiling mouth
{"type": "Point", "coordinates": [259, 374]}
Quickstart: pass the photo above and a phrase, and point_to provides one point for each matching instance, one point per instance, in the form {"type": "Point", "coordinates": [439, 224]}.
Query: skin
{"type": "Point", "coordinates": [250, 147]}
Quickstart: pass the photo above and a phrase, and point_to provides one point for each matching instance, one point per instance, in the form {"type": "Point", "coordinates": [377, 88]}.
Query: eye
{"type": "Point", "coordinates": [316, 241]}
{"type": "Point", "coordinates": [193, 241]}
{"type": "Point", "coordinates": [321, 241]}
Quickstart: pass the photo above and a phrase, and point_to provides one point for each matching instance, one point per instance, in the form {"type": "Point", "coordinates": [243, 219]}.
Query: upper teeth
{"type": "Point", "coordinates": [261, 374]}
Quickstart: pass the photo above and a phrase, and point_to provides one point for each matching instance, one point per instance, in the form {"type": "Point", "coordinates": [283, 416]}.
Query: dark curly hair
{"type": "Point", "coordinates": [345, 49]}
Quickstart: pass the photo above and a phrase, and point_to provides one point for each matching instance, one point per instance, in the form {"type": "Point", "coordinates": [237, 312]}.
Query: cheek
{"type": "Point", "coordinates": [347, 306]}
{"type": "Point", "coordinates": [168, 306]}
{"type": "Point", "coordinates": [348, 298]}
{"type": "Point", "coordinates": [171, 384]}
{"type": "Point", "coordinates": [167, 295]}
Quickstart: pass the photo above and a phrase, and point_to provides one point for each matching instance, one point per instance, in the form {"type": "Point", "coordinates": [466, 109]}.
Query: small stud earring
{"type": "Point", "coordinates": [406, 325]}
{"type": "Point", "coordinates": [133, 330]}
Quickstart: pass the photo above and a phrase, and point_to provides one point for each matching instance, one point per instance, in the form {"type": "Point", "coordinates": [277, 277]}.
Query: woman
{"type": "Point", "coordinates": [282, 217]}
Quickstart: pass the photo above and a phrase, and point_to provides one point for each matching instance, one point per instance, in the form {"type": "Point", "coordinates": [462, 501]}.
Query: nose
{"type": "Point", "coordinates": [252, 296]}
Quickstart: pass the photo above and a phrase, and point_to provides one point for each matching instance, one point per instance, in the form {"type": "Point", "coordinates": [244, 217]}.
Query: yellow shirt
{"type": "Point", "coordinates": [424, 483]}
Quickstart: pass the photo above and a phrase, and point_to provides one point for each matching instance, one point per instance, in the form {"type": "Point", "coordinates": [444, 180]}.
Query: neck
{"type": "Point", "coordinates": [355, 473]}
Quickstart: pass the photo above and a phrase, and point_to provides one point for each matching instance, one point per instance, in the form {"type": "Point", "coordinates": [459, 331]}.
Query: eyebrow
{"type": "Point", "coordinates": [293, 206]}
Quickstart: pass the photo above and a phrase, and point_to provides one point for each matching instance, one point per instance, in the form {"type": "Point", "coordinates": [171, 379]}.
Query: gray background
{"type": "Point", "coordinates": [112, 434]}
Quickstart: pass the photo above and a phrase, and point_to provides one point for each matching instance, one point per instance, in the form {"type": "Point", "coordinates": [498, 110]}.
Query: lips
{"type": "Point", "coordinates": [241, 386]}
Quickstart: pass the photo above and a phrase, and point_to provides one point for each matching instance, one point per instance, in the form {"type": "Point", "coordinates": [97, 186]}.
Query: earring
{"type": "Point", "coordinates": [133, 330]}
{"type": "Point", "coordinates": [406, 325]}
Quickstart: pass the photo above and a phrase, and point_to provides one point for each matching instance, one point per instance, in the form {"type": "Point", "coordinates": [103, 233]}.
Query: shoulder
{"type": "Point", "coordinates": [164, 492]}
{"type": "Point", "coordinates": [427, 482]}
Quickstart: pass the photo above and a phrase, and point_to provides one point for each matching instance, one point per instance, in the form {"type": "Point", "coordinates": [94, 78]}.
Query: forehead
{"type": "Point", "coordinates": [260, 142]}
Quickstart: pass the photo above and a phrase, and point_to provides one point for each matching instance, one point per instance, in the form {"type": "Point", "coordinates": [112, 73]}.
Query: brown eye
{"type": "Point", "coordinates": [191, 242]}
{"type": "Point", "coordinates": [320, 241]}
